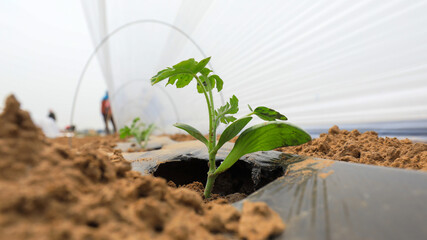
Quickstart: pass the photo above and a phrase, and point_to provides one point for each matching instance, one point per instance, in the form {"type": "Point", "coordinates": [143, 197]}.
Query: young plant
{"type": "Point", "coordinates": [139, 131]}
{"type": "Point", "coordinates": [262, 137]}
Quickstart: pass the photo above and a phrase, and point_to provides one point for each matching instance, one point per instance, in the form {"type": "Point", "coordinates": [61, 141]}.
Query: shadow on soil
{"type": "Point", "coordinates": [242, 177]}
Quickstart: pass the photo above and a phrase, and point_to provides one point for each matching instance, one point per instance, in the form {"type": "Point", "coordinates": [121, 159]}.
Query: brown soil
{"type": "Point", "coordinates": [199, 189]}
{"type": "Point", "coordinates": [181, 137]}
{"type": "Point", "coordinates": [48, 191]}
{"type": "Point", "coordinates": [367, 148]}
{"type": "Point", "coordinates": [107, 142]}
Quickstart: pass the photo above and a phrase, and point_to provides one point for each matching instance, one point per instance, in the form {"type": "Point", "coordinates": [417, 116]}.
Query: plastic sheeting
{"type": "Point", "coordinates": [320, 63]}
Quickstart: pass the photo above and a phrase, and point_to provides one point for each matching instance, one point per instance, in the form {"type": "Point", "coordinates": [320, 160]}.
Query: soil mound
{"type": "Point", "coordinates": [48, 191]}
{"type": "Point", "coordinates": [367, 148]}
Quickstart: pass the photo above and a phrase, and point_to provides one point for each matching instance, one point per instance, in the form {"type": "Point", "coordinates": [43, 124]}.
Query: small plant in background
{"type": "Point", "coordinates": [261, 137]}
{"type": "Point", "coordinates": [139, 131]}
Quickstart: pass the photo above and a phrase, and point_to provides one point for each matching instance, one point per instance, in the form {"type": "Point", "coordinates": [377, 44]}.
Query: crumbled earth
{"type": "Point", "coordinates": [49, 191]}
{"type": "Point", "coordinates": [107, 142]}
{"type": "Point", "coordinates": [199, 189]}
{"type": "Point", "coordinates": [367, 148]}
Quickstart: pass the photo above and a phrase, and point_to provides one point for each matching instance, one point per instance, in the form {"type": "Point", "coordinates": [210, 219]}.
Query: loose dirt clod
{"type": "Point", "coordinates": [367, 148]}
{"type": "Point", "coordinates": [258, 221]}
{"type": "Point", "coordinates": [48, 191]}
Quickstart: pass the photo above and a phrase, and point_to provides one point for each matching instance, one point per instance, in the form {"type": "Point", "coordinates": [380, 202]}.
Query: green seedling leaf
{"type": "Point", "coordinates": [218, 80]}
{"type": "Point", "coordinates": [201, 65]}
{"type": "Point", "coordinates": [172, 80]}
{"type": "Point", "coordinates": [205, 71]}
{"type": "Point", "coordinates": [229, 108]}
{"type": "Point", "coordinates": [163, 74]}
{"type": "Point", "coordinates": [167, 73]}
{"type": "Point", "coordinates": [232, 131]}
{"type": "Point", "coordinates": [208, 85]}
{"type": "Point", "coordinates": [249, 106]}
{"type": "Point", "coordinates": [138, 131]}
{"type": "Point", "coordinates": [228, 119]}
{"type": "Point", "coordinates": [268, 114]}
{"type": "Point", "coordinates": [188, 65]}
{"type": "Point", "coordinates": [264, 137]}
{"type": "Point", "coordinates": [146, 134]}
{"type": "Point", "coordinates": [193, 132]}
{"type": "Point", "coordinates": [183, 79]}
{"type": "Point", "coordinates": [124, 132]}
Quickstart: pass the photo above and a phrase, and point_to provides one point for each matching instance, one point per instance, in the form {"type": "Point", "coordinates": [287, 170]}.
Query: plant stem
{"type": "Point", "coordinates": [212, 153]}
{"type": "Point", "coordinates": [211, 140]}
{"type": "Point", "coordinates": [209, 185]}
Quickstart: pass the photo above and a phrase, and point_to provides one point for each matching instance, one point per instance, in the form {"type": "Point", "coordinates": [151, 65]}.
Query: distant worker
{"type": "Point", "coordinates": [52, 115]}
{"type": "Point", "coordinates": [107, 113]}
{"type": "Point", "coordinates": [48, 125]}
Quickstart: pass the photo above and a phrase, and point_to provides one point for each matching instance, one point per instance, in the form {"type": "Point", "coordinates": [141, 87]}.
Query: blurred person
{"type": "Point", "coordinates": [107, 113]}
{"type": "Point", "coordinates": [52, 115]}
{"type": "Point", "coordinates": [48, 125]}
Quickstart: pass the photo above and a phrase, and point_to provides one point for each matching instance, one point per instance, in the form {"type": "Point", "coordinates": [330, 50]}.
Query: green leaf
{"type": "Point", "coordinates": [229, 108]}
{"type": "Point", "coordinates": [228, 119]}
{"type": "Point", "coordinates": [206, 83]}
{"type": "Point", "coordinates": [264, 137]}
{"type": "Point", "coordinates": [219, 82]}
{"type": "Point", "coordinates": [205, 71]}
{"type": "Point", "coordinates": [183, 80]}
{"type": "Point", "coordinates": [172, 80]}
{"type": "Point", "coordinates": [146, 133]}
{"type": "Point", "coordinates": [192, 131]}
{"type": "Point", "coordinates": [249, 106]}
{"type": "Point", "coordinates": [158, 77]}
{"type": "Point", "coordinates": [199, 88]}
{"type": "Point", "coordinates": [188, 65]}
{"type": "Point", "coordinates": [167, 73]}
{"type": "Point", "coordinates": [201, 65]}
{"type": "Point", "coordinates": [184, 67]}
{"type": "Point", "coordinates": [269, 114]}
{"type": "Point", "coordinates": [232, 131]}
{"type": "Point", "coordinates": [136, 119]}
{"type": "Point", "coordinates": [124, 132]}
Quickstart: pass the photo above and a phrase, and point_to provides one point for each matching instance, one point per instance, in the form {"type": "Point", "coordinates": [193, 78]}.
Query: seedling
{"type": "Point", "coordinates": [139, 131]}
{"type": "Point", "coordinates": [262, 137]}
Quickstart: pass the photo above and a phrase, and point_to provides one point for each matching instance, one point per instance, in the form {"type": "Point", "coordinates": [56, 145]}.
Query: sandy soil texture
{"type": "Point", "coordinates": [367, 148]}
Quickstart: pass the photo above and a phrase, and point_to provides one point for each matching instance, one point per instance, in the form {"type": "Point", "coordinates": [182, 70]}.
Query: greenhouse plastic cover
{"type": "Point", "coordinates": [318, 62]}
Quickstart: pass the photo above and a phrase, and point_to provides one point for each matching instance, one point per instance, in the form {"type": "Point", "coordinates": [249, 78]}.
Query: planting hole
{"type": "Point", "coordinates": [242, 177]}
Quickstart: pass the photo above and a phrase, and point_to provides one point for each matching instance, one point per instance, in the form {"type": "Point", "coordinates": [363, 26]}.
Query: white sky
{"type": "Point", "coordinates": [44, 45]}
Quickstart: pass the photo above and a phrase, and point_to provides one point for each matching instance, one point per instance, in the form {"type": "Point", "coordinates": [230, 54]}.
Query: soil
{"type": "Point", "coordinates": [49, 191]}
{"type": "Point", "coordinates": [199, 188]}
{"type": "Point", "coordinates": [181, 137]}
{"type": "Point", "coordinates": [366, 148]}
{"type": "Point", "coordinates": [107, 142]}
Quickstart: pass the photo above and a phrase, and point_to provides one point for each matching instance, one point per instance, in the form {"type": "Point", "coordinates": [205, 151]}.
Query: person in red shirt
{"type": "Point", "coordinates": [107, 113]}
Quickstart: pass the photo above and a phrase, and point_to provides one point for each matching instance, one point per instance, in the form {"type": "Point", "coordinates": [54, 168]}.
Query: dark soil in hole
{"type": "Point", "coordinates": [240, 178]}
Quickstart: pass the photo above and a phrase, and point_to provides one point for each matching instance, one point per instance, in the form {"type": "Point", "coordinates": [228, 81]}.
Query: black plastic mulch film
{"type": "Point", "coordinates": [320, 198]}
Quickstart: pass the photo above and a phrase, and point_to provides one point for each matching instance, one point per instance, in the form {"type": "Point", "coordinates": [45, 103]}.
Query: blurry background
{"type": "Point", "coordinates": [357, 64]}
{"type": "Point", "coordinates": [43, 48]}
